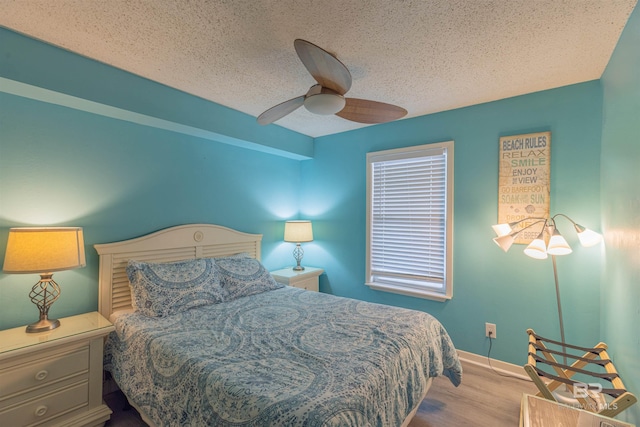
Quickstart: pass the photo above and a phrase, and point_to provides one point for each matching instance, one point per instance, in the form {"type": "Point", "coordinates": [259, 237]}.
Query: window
{"type": "Point", "coordinates": [410, 220]}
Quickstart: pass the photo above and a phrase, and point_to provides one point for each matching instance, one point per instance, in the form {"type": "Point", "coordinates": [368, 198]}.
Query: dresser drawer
{"type": "Point", "coordinates": [43, 408]}
{"type": "Point", "coordinates": [41, 372]}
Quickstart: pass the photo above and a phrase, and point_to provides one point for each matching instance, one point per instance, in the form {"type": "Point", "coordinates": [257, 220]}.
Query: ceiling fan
{"type": "Point", "coordinates": [327, 97]}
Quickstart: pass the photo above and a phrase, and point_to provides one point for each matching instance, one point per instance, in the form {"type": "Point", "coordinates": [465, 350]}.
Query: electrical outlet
{"type": "Point", "coordinates": [490, 330]}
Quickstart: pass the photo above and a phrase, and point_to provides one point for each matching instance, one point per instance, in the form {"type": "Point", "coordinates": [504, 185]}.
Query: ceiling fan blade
{"type": "Point", "coordinates": [280, 110]}
{"type": "Point", "coordinates": [324, 67]}
{"type": "Point", "coordinates": [370, 112]}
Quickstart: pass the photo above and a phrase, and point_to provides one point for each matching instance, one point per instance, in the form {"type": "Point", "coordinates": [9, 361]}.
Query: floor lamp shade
{"type": "Point", "coordinates": [44, 250]}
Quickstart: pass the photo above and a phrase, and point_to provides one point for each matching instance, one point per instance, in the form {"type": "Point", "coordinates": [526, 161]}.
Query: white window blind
{"type": "Point", "coordinates": [409, 220]}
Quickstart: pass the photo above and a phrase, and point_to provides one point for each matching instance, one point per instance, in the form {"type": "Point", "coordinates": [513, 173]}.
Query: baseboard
{"type": "Point", "coordinates": [497, 365]}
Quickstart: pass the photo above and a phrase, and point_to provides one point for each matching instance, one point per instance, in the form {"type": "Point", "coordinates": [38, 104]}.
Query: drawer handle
{"type": "Point", "coordinates": [41, 410]}
{"type": "Point", "coordinates": [42, 375]}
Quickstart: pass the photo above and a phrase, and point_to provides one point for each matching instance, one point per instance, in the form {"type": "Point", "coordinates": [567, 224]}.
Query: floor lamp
{"type": "Point", "coordinates": [548, 242]}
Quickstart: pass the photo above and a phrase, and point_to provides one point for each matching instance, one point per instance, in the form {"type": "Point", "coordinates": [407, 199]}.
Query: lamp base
{"type": "Point", "coordinates": [297, 254]}
{"type": "Point", "coordinates": [43, 325]}
{"type": "Point", "coordinates": [43, 294]}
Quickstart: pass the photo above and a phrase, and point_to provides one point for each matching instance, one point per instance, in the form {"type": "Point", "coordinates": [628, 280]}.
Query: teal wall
{"type": "Point", "coordinates": [511, 290]}
{"type": "Point", "coordinates": [85, 84]}
{"type": "Point", "coordinates": [119, 179]}
{"type": "Point", "coordinates": [621, 209]}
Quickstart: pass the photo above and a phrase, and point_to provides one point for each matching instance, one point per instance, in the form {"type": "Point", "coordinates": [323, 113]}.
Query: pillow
{"type": "Point", "coordinates": [162, 289]}
{"type": "Point", "coordinates": [241, 277]}
{"type": "Point", "coordinates": [235, 256]}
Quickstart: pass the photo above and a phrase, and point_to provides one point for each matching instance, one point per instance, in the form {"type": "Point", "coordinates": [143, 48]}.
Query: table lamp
{"type": "Point", "coordinates": [298, 232]}
{"type": "Point", "coordinates": [44, 250]}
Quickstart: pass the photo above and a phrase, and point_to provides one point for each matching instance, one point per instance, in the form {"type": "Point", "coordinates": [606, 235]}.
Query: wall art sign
{"type": "Point", "coordinates": [524, 185]}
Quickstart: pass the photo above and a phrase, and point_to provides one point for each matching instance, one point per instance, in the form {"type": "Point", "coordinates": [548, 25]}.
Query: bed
{"type": "Point", "coordinates": [246, 351]}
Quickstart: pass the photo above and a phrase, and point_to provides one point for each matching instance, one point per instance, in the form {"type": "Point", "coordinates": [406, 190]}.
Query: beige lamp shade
{"type": "Point", "coordinates": [44, 249]}
{"type": "Point", "coordinates": [537, 248]}
{"type": "Point", "coordinates": [558, 245]}
{"type": "Point", "coordinates": [298, 231]}
{"type": "Point", "coordinates": [505, 241]}
{"type": "Point", "coordinates": [502, 229]}
{"type": "Point", "coordinates": [587, 237]}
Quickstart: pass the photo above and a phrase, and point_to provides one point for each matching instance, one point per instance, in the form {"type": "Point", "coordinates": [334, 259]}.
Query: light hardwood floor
{"type": "Point", "coordinates": [484, 399]}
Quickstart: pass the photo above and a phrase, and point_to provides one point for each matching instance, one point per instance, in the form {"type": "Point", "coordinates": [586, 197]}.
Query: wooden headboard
{"type": "Point", "coordinates": [171, 244]}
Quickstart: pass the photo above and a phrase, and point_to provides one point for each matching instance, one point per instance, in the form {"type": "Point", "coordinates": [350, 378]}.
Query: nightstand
{"type": "Point", "coordinates": [54, 378]}
{"type": "Point", "coordinates": [305, 279]}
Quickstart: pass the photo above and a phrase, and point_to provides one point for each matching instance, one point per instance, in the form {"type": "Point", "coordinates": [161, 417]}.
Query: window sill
{"type": "Point", "coordinates": [431, 295]}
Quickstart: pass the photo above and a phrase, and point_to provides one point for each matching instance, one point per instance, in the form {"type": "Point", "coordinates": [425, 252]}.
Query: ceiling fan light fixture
{"type": "Point", "coordinates": [327, 97]}
{"type": "Point", "coordinates": [324, 103]}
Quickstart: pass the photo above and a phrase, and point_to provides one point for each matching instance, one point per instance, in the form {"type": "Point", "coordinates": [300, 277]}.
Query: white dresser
{"type": "Point", "coordinates": [54, 378]}
{"type": "Point", "coordinates": [305, 279]}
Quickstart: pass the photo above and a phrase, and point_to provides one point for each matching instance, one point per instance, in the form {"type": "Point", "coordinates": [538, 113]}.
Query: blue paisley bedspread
{"type": "Point", "coordinates": [286, 357]}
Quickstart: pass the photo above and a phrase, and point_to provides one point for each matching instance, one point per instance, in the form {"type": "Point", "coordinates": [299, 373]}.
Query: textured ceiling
{"type": "Point", "coordinates": [424, 55]}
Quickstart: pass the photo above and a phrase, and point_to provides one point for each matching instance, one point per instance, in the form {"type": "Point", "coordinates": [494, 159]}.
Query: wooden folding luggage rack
{"type": "Point", "coordinates": [585, 397]}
